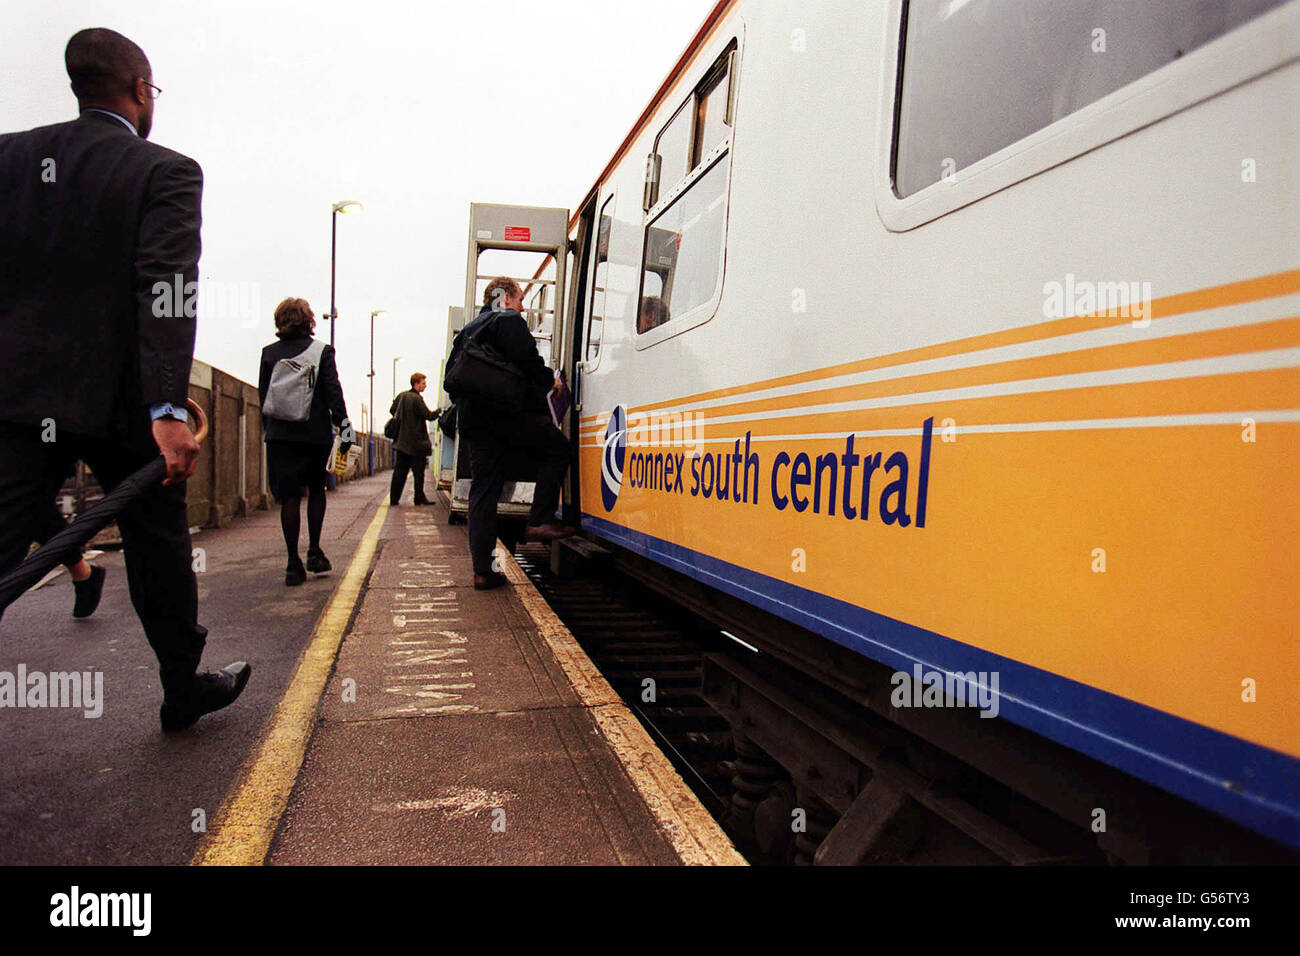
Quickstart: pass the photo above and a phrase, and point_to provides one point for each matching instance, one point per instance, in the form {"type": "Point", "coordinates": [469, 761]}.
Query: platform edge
{"type": "Point", "coordinates": [695, 836]}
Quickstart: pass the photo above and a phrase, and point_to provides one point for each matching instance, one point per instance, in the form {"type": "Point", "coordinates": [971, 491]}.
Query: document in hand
{"type": "Point", "coordinates": [558, 402]}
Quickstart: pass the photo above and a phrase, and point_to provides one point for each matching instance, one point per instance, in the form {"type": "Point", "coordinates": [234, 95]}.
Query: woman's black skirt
{"type": "Point", "coordinates": [294, 465]}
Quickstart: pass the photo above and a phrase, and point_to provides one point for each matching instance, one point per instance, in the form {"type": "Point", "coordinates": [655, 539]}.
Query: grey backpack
{"type": "Point", "coordinates": [293, 383]}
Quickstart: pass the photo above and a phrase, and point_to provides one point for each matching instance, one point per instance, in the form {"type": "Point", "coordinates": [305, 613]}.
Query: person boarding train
{"type": "Point", "coordinates": [495, 427]}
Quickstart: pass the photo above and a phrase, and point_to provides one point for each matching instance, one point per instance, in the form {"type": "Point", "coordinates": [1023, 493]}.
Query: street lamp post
{"type": "Point", "coordinates": [345, 207]}
{"type": "Point", "coordinates": [395, 361]}
{"type": "Point", "coordinates": [370, 432]}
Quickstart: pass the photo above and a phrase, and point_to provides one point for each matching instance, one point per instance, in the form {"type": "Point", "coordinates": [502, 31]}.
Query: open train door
{"type": "Point", "coordinates": [529, 244]}
{"type": "Point", "coordinates": [444, 448]}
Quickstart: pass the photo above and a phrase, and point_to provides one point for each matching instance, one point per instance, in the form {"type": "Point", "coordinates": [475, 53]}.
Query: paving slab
{"type": "Point", "coordinates": [526, 788]}
{"type": "Point", "coordinates": [451, 732]}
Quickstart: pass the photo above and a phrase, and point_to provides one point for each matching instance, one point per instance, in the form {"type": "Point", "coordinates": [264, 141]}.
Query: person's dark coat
{"type": "Point", "coordinates": [412, 415]}
{"type": "Point", "coordinates": [326, 401]}
{"type": "Point", "coordinates": [507, 332]}
{"type": "Point", "coordinates": [99, 232]}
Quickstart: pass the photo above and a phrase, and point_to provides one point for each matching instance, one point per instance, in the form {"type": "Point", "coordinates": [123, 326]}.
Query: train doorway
{"type": "Point", "coordinates": [529, 244]}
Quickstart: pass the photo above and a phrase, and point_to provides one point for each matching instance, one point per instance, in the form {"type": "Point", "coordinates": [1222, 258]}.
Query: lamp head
{"type": "Point", "coordinates": [348, 206]}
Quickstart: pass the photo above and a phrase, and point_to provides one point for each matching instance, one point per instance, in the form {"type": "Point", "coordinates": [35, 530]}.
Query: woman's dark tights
{"type": "Point", "coordinates": [290, 520]}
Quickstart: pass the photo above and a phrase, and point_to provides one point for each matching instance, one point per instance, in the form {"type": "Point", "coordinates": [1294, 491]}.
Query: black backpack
{"type": "Point", "coordinates": [393, 427]}
{"type": "Point", "coordinates": [447, 421]}
{"type": "Point", "coordinates": [478, 372]}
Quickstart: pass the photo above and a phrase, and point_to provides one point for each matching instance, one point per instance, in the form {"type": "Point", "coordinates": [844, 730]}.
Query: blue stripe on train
{"type": "Point", "coordinates": [1256, 786]}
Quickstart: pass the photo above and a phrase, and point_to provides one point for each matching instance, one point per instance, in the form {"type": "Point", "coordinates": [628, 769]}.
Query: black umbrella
{"type": "Point", "coordinates": [68, 542]}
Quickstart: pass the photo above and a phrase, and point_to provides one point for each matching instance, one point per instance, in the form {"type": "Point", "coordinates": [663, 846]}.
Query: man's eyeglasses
{"type": "Point", "coordinates": [155, 91]}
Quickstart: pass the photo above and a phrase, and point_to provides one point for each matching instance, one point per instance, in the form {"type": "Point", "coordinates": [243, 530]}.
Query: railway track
{"type": "Point", "coordinates": [651, 652]}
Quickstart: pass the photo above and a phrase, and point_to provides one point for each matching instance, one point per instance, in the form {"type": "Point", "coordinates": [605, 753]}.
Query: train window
{"type": "Point", "coordinates": [599, 281]}
{"type": "Point", "coordinates": [535, 309]}
{"type": "Point", "coordinates": [683, 250]}
{"type": "Point", "coordinates": [711, 115]}
{"type": "Point", "coordinates": [673, 147]}
{"type": "Point", "coordinates": [698, 127]}
{"type": "Point", "coordinates": [979, 75]}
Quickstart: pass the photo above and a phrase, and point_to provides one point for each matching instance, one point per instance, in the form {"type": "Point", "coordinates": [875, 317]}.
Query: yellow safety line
{"type": "Point", "coordinates": [244, 826]}
{"type": "Point", "coordinates": [693, 833]}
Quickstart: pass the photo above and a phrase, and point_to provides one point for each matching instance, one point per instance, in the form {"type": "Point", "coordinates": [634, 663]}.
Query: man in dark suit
{"type": "Point", "coordinates": [494, 436]}
{"type": "Point", "coordinates": [412, 448]}
{"type": "Point", "coordinates": [99, 251]}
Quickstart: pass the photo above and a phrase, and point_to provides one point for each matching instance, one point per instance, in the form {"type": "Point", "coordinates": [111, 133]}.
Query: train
{"type": "Point", "coordinates": [947, 353]}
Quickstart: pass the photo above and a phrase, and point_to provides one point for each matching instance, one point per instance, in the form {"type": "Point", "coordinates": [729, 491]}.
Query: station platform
{"type": "Point", "coordinates": [429, 723]}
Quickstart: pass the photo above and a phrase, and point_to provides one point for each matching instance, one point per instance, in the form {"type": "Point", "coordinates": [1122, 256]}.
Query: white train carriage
{"type": "Point", "coordinates": [963, 334]}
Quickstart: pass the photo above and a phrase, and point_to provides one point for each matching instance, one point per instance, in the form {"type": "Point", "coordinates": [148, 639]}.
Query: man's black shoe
{"type": "Point", "coordinates": [294, 574]}
{"type": "Point", "coordinates": [486, 582]}
{"type": "Point", "coordinates": [548, 532]}
{"type": "Point", "coordinates": [424, 501]}
{"type": "Point", "coordinates": [317, 563]}
{"type": "Point", "coordinates": [213, 691]}
{"type": "Point", "coordinates": [89, 592]}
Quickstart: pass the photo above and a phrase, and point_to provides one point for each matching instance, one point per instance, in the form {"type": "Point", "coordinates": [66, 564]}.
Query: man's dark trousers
{"type": "Point", "coordinates": [491, 445]}
{"type": "Point", "coordinates": [53, 524]}
{"type": "Point", "coordinates": [155, 537]}
{"type": "Point", "coordinates": [402, 463]}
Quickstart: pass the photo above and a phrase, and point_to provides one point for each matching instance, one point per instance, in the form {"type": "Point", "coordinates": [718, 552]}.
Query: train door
{"type": "Point", "coordinates": [444, 447]}
{"type": "Point", "coordinates": [587, 307]}
{"type": "Point", "coordinates": [529, 244]}
{"type": "Point", "coordinates": [597, 275]}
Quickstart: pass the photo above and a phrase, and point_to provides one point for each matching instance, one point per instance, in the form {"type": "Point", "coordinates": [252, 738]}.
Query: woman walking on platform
{"type": "Point", "coordinates": [301, 395]}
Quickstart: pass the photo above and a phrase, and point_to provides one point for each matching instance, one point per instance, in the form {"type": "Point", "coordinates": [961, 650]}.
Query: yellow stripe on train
{"type": "Point", "coordinates": [1132, 559]}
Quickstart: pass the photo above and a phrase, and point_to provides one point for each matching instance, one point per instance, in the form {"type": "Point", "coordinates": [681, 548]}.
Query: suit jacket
{"type": "Point", "coordinates": [413, 430]}
{"type": "Point", "coordinates": [99, 253]}
{"type": "Point", "coordinates": [326, 401]}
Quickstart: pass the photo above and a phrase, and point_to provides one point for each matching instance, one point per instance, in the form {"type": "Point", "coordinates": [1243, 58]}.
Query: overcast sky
{"type": "Point", "coordinates": [414, 108]}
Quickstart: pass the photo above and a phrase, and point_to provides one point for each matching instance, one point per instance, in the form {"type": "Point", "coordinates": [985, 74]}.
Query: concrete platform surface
{"type": "Point", "coordinates": [466, 727]}
{"type": "Point", "coordinates": [115, 789]}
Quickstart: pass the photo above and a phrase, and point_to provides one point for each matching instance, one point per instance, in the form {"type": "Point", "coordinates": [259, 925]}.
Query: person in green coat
{"type": "Point", "coordinates": [412, 448]}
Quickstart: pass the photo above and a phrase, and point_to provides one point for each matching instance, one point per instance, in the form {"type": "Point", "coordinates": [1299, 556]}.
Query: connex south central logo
{"type": "Point", "coordinates": [611, 457]}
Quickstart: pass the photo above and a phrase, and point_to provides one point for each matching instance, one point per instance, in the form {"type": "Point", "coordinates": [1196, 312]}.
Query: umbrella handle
{"type": "Point", "coordinates": [200, 421]}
